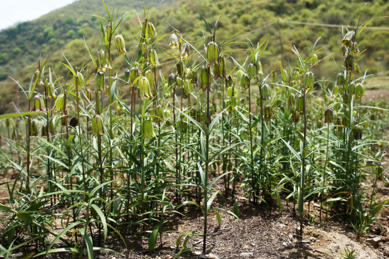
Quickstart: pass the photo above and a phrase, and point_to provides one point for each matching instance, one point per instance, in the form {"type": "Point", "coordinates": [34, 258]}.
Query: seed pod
{"type": "Point", "coordinates": [268, 112]}
{"type": "Point", "coordinates": [348, 38]}
{"type": "Point", "coordinates": [300, 103]}
{"type": "Point", "coordinates": [292, 100]}
{"type": "Point", "coordinates": [73, 122]}
{"type": "Point", "coordinates": [99, 82]}
{"type": "Point", "coordinates": [120, 44]}
{"type": "Point", "coordinates": [203, 77]}
{"type": "Point", "coordinates": [252, 70]}
{"type": "Point", "coordinates": [150, 76]}
{"type": "Point", "coordinates": [265, 92]}
{"type": "Point", "coordinates": [154, 57]}
{"type": "Point", "coordinates": [148, 28]}
{"type": "Point", "coordinates": [357, 132]}
{"type": "Point", "coordinates": [172, 81]}
{"type": "Point", "coordinates": [359, 91]}
{"type": "Point", "coordinates": [173, 41]}
{"type": "Point", "coordinates": [230, 91]}
{"type": "Point", "coordinates": [147, 128]}
{"type": "Point", "coordinates": [245, 81]}
{"type": "Point", "coordinates": [144, 87]}
{"type": "Point", "coordinates": [193, 77]}
{"type": "Point", "coordinates": [44, 130]}
{"type": "Point", "coordinates": [39, 104]}
{"type": "Point", "coordinates": [160, 114]}
{"type": "Point", "coordinates": [33, 128]}
{"type": "Point", "coordinates": [97, 125]}
{"type": "Point", "coordinates": [51, 91]}
{"type": "Point", "coordinates": [349, 62]}
{"type": "Point", "coordinates": [213, 54]}
{"type": "Point", "coordinates": [328, 115]}
{"type": "Point", "coordinates": [102, 62]}
{"type": "Point", "coordinates": [356, 69]}
{"type": "Point", "coordinates": [309, 80]}
{"type": "Point", "coordinates": [79, 80]}
{"type": "Point", "coordinates": [185, 51]}
{"type": "Point", "coordinates": [295, 116]}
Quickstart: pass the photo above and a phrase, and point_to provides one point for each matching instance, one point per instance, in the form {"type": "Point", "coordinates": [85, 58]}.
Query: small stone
{"type": "Point", "coordinates": [197, 253]}
{"type": "Point", "coordinates": [172, 247]}
{"type": "Point", "coordinates": [213, 256]}
{"type": "Point", "coordinates": [386, 251]}
{"type": "Point", "coordinates": [247, 254]}
{"type": "Point", "coordinates": [373, 241]}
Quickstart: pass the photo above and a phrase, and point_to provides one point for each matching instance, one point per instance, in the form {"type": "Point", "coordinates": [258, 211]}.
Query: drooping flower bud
{"type": "Point", "coordinates": [60, 103]}
{"type": "Point", "coordinates": [185, 51]}
{"type": "Point", "coordinates": [328, 115]}
{"type": "Point", "coordinates": [99, 82]}
{"type": "Point", "coordinates": [108, 30]}
{"type": "Point", "coordinates": [300, 103]}
{"type": "Point", "coordinates": [147, 128]}
{"type": "Point", "coordinates": [230, 91]}
{"type": "Point", "coordinates": [268, 113]}
{"type": "Point", "coordinates": [144, 87]}
{"type": "Point", "coordinates": [348, 38]}
{"type": "Point", "coordinates": [352, 87]}
{"type": "Point", "coordinates": [51, 91]}
{"type": "Point", "coordinates": [39, 104]}
{"type": "Point", "coordinates": [33, 128]}
{"type": "Point", "coordinates": [222, 67]}
{"type": "Point", "coordinates": [216, 71]}
{"type": "Point", "coordinates": [335, 90]}
{"type": "Point", "coordinates": [213, 53]}
{"type": "Point", "coordinates": [188, 89]}
{"type": "Point", "coordinates": [144, 48]}
{"type": "Point", "coordinates": [357, 132]}
{"type": "Point", "coordinates": [349, 62]}
{"type": "Point", "coordinates": [359, 91]}
{"type": "Point", "coordinates": [252, 70]}
{"type": "Point", "coordinates": [356, 69]}
{"type": "Point", "coordinates": [120, 44]}
{"type": "Point", "coordinates": [154, 57]}
{"type": "Point", "coordinates": [180, 83]}
{"type": "Point", "coordinates": [173, 41]}
{"type": "Point", "coordinates": [148, 28]}
{"type": "Point", "coordinates": [160, 114]}
{"type": "Point", "coordinates": [259, 68]}
{"type": "Point", "coordinates": [245, 81]}
{"type": "Point", "coordinates": [203, 77]}
{"type": "Point", "coordinates": [127, 77]}
{"type": "Point", "coordinates": [172, 81]}
{"type": "Point", "coordinates": [309, 80]}
{"type": "Point", "coordinates": [344, 50]}
{"type": "Point", "coordinates": [265, 92]}
{"type": "Point", "coordinates": [79, 80]}
{"type": "Point", "coordinates": [193, 77]}
{"type": "Point", "coordinates": [314, 59]}
{"type": "Point", "coordinates": [44, 130]}
{"type": "Point", "coordinates": [319, 124]}
{"type": "Point", "coordinates": [292, 100]}
{"type": "Point", "coordinates": [133, 75]}
{"type": "Point", "coordinates": [340, 79]}
{"type": "Point", "coordinates": [73, 122]}
{"type": "Point", "coordinates": [229, 80]}
{"type": "Point", "coordinates": [150, 76]}
{"type": "Point", "coordinates": [295, 116]}
{"type": "Point", "coordinates": [102, 62]}
{"type": "Point", "coordinates": [97, 125]}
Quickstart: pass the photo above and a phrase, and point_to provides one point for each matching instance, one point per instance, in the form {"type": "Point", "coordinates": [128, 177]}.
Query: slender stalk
{"type": "Point", "coordinates": [206, 165]}
{"type": "Point", "coordinates": [303, 162]}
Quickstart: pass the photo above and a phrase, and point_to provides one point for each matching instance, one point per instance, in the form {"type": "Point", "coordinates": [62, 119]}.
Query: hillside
{"type": "Point", "coordinates": [61, 31]}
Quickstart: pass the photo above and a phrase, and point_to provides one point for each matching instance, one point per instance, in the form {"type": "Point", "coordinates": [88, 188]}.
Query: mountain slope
{"type": "Point", "coordinates": [61, 31]}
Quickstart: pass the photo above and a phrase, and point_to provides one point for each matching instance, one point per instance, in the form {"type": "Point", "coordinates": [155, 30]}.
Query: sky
{"type": "Point", "coordinates": [14, 11]}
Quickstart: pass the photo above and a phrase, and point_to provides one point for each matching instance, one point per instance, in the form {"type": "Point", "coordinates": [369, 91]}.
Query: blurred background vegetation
{"type": "Point", "coordinates": [62, 31]}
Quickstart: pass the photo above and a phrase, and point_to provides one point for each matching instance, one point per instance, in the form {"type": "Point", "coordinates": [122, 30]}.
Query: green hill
{"type": "Point", "coordinates": [61, 31]}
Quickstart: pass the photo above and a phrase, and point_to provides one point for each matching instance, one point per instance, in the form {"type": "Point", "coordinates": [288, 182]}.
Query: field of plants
{"type": "Point", "coordinates": [134, 163]}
